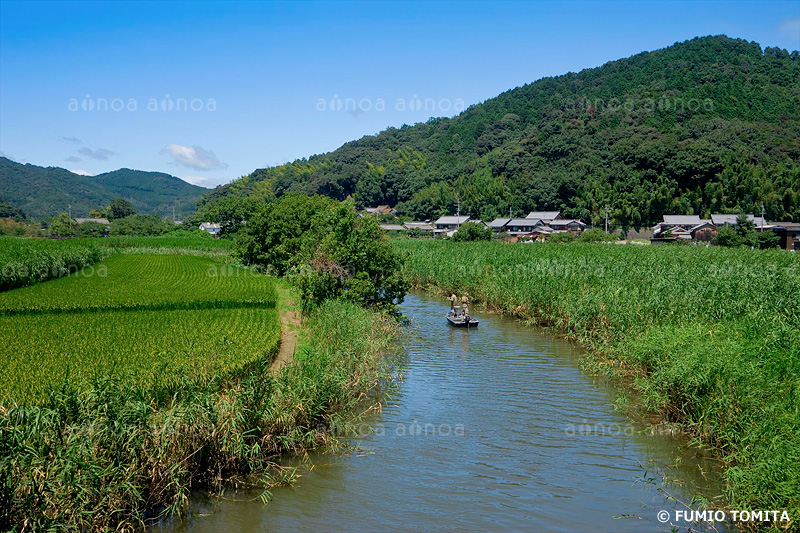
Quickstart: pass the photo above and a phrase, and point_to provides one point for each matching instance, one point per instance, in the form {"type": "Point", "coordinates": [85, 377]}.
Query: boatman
{"type": "Point", "coordinates": [465, 305]}
{"type": "Point", "coordinates": [453, 301]}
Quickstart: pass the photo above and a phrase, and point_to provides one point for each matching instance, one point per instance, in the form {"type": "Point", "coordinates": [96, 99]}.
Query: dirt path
{"type": "Point", "coordinates": [288, 309]}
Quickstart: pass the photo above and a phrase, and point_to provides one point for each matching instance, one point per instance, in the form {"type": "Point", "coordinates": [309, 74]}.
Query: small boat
{"type": "Point", "coordinates": [458, 321]}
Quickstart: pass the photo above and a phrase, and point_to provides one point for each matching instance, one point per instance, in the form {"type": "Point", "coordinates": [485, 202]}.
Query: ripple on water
{"type": "Point", "coordinates": [507, 395]}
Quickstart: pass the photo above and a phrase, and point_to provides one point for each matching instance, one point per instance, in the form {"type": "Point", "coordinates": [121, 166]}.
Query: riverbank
{"type": "Point", "coordinates": [106, 454]}
{"type": "Point", "coordinates": [707, 337]}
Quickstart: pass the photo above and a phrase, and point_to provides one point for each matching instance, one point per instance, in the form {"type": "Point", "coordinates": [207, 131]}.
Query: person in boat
{"type": "Point", "coordinates": [453, 301]}
{"type": "Point", "coordinates": [465, 306]}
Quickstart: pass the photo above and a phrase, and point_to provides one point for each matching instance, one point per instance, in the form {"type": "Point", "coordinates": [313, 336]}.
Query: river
{"type": "Point", "coordinates": [492, 428]}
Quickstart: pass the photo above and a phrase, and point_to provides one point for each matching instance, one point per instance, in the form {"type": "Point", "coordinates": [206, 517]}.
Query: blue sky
{"type": "Point", "coordinates": [210, 91]}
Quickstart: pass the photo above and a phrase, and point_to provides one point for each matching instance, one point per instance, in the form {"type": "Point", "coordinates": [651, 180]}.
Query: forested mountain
{"type": "Point", "coordinates": [46, 191]}
{"type": "Point", "coordinates": [710, 124]}
{"type": "Point", "coordinates": [7, 211]}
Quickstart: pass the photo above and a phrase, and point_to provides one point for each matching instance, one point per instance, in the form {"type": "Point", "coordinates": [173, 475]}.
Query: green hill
{"type": "Point", "coordinates": [710, 124]}
{"type": "Point", "coordinates": [46, 191]}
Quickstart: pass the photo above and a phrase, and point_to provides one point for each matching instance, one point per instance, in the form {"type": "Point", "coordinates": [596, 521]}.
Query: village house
{"type": "Point", "coordinates": [380, 210]}
{"type": "Point", "coordinates": [447, 224]}
{"type": "Point", "coordinates": [706, 231]}
{"type": "Point", "coordinates": [422, 226]}
{"type": "Point", "coordinates": [97, 220]}
{"type": "Point", "coordinates": [392, 227]}
{"type": "Point", "coordinates": [523, 226]}
{"type": "Point", "coordinates": [789, 233]}
{"type": "Point", "coordinates": [498, 225]}
{"type": "Point", "coordinates": [721, 220]}
{"type": "Point", "coordinates": [572, 226]}
{"type": "Point", "coordinates": [211, 227]}
{"type": "Point", "coordinates": [545, 216]}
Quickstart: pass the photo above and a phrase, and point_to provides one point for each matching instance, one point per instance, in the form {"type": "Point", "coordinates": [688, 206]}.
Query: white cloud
{"type": "Point", "coordinates": [73, 159]}
{"type": "Point", "coordinates": [81, 172]}
{"type": "Point", "coordinates": [791, 27]}
{"type": "Point", "coordinates": [101, 154]}
{"type": "Point", "coordinates": [194, 157]}
{"type": "Point", "coordinates": [195, 180]}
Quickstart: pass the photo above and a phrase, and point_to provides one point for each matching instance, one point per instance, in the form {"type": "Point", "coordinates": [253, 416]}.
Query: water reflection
{"type": "Point", "coordinates": [539, 446]}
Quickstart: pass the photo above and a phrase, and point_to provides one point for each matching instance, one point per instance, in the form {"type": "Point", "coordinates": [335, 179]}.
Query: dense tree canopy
{"type": "Point", "coordinates": [707, 125]}
{"type": "Point", "coordinates": [326, 249]}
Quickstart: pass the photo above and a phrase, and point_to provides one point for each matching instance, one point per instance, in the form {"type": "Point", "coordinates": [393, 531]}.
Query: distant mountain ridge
{"type": "Point", "coordinates": [42, 192]}
{"type": "Point", "coordinates": [711, 124]}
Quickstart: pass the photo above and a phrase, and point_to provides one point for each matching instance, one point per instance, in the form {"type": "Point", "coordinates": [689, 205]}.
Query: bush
{"type": "Point", "coordinates": [561, 237]}
{"type": "Point", "coordinates": [767, 239]}
{"type": "Point", "coordinates": [596, 235]}
{"type": "Point", "coordinates": [471, 231]}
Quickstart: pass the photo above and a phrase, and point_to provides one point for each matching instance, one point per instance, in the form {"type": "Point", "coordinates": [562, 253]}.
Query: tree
{"type": "Point", "coordinates": [61, 226]}
{"type": "Point", "coordinates": [120, 208]}
{"type": "Point", "coordinates": [471, 231]}
{"type": "Point", "coordinates": [347, 256]}
{"type": "Point", "coordinates": [273, 235]}
{"type": "Point", "coordinates": [92, 229]}
{"type": "Point", "coordinates": [101, 212]}
{"type": "Point", "coordinates": [727, 236]}
{"type": "Point", "coordinates": [142, 225]}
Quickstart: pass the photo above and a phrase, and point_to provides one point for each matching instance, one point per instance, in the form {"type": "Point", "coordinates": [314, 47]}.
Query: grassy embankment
{"type": "Point", "coordinates": [137, 386]}
{"type": "Point", "coordinates": [710, 337]}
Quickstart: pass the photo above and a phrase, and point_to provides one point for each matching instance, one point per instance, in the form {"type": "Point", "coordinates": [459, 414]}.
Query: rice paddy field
{"type": "Point", "coordinates": [708, 337]}
{"type": "Point", "coordinates": [152, 319]}
{"type": "Point", "coordinates": [132, 281]}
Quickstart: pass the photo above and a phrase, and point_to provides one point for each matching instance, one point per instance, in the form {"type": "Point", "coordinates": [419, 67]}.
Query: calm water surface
{"type": "Point", "coordinates": [488, 430]}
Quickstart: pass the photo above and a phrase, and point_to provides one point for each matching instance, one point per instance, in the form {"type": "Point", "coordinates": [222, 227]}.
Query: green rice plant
{"type": "Point", "coordinates": [25, 261]}
{"type": "Point", "coordinates": [145, 282]}
{"type": "Point", "coordinates": [151, 349]}
{"type": "Point", "coordinates": [709, 336]}
{"type": "Point", "coordinates": [181, 242]}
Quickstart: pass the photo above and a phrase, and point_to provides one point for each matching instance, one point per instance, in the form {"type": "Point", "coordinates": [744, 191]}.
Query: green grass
{"type": "Point", "coordinates": [710, 337]}
{"type": "Point", "coordinates": [24, 261]}
{"type": "Point", "coordinates": [145, 282]}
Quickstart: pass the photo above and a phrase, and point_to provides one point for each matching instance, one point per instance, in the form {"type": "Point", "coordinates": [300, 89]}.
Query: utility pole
{"type": "Point", "coordinates": [606, 218]}
{"type": "Point", "coordinates": [173, 213]}
{"type": "Point", "coordinates": [69, 207]}
{"type": "Point", "coordinates": [762, 217]}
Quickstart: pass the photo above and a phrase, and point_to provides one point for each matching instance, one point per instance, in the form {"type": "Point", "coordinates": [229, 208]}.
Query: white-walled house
{"type": "Point", "coordinates": [211, 227]}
